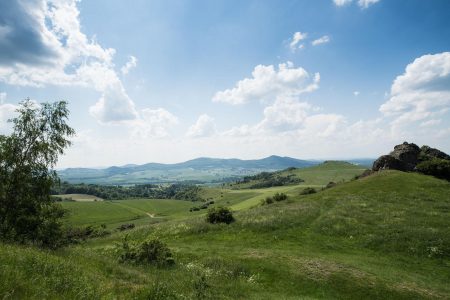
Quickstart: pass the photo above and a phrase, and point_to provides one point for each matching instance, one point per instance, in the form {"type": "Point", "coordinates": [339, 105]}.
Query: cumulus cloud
{"type": "Point", "coordinates": [296, 39]}
{"type": "Point", "coordinates": [42, 44]}
{"type": "Point", "coordinates": [342, 2]}
{"type": "Point", "coordinates": [361, 3]}
{"type": "Point", "coordinates": [422, 92]}
{"type": "Point", "coordinates": [285, 114]}
{"type": "Point", "coordinates": [204, 127]}
{"type": "Point", "coordinates": [132, 63]}
{"type": "Point", "coordinates": [267, 83]}
{"type": "Point", "coordinates": [114, 106]}
{"type": "Point", "coordinates": [153, 123]}
{"type": "Point", "coordinates": [323, 40]}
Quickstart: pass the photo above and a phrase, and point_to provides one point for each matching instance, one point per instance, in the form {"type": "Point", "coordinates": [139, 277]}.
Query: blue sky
{"type": "Point", "coordinates": [168, 81]}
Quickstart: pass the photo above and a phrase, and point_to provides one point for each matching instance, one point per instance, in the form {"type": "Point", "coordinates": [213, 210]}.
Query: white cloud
{"type": "Point", "coordinates": [132, 63]}
{"type": "Point", "coordinates": [323, 40]}
{"type": "Point", "coordinates": [356, 93]}
{"type": "Point", "coordinates": [61, 54]}
{"type": "Point", "coordinates": [114, 106]}
{"type": "Point", "coordinates": [285, 114]}
{"type": "Point", "coordinates": [361, 3]}
{"type": "Point", "coordinates": [204, 127]}
{"type": "Point", "coordinates": [422, 92]}
{"type": "Point", "coordinates": [366, 3]}
{"type": "Point", "coordinates": [296, 39]}
{"type": "Point", "coordinates": [342, 2]}
{"type": "Point", "coordinates": [152, 123]}
{"type": "Point", "coordinates": [432, 122]}
{"type": "Point", "coordinates": [267, 83]}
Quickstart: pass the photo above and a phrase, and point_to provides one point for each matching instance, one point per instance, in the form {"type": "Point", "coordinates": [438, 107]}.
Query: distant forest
{"type": "Point", "coordinates": [113, 192]}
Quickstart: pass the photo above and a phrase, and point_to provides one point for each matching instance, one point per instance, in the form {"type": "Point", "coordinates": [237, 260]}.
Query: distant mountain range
{"type": "Point", "coordinates": [199, 170]}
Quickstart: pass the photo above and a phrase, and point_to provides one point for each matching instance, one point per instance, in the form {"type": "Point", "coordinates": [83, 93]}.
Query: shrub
{"type": "Point", "coordinates": [151, 251]}
{"type": "Point", "coordinates": [268, 200]}
{"type": "Point", "coordinates": [125, 226]}
{"type": "Point", "coordinates": [308, 190]}
{"type": "Point", "coordinates": [220, 215]}
{"type": "Point", "coordinates": [76, 235]}
{"type": "Point", "coordinates": [436, 167]}
{"type": "Point", "coordinates": [280, 197]}
{"type": "Point", "coordinates": [330, 185]}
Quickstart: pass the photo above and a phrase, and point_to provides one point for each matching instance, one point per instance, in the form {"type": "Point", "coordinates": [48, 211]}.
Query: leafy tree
{"type": "Point", "coordinates": [40, 134]}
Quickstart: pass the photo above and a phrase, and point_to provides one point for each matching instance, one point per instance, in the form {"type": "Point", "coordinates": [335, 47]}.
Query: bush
{"type": "Point", "coordinates": [280, 197]}
{"type": "Point", "coordinates": [75, 235]}
{"type": "Point", "coordinates": [436, 167]}
{"type": "Point", "coordinates": [151, 251]}
{"type": "Point", "coordinates": [220, 215]}
{"type": "Point", "coordinates": [268, 200]}
{"type": "Point", "coordinates": [275, 198]}
{"type": "Point", "coordinates": [308, 191]}
{"type": "Point", "coordinates": [125, 226]}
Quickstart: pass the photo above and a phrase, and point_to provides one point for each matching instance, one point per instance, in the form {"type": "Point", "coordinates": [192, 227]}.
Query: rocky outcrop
{"type": "Point", "coordinates": [388, 162]}
{"type": "Point", "coordinates": [429, 152]}
{"type": "Point", "coordinates": [406, 156]}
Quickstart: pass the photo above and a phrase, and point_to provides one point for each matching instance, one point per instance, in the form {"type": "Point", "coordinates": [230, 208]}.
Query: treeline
{"type": "Point", "coordinates": [270, 179]}
{"type": "Point", "coordinates": [113, 192]}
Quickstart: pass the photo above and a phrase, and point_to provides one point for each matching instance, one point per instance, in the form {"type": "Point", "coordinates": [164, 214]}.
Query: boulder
{"type": "Point", "coordinates": [407, 154]}
{"type": "Point", "coordinates": [388, 162]}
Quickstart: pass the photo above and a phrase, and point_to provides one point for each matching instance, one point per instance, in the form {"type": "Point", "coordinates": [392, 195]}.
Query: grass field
{"type": "Point", "coordinates": [386, 236]}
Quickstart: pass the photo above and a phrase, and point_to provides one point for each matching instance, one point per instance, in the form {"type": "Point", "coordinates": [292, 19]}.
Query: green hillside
{"type": "Point", "coordinates": [386, 236]}
{"type": "Point", "coordinates": [315, 176]}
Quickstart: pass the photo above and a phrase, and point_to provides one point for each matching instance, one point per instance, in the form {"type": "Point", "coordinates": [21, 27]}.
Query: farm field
{"type": "Point", "coordinates": [147, 211]}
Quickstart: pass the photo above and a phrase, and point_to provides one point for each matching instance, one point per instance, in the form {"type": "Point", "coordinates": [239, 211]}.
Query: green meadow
{"type": "Point", "coordinates": [385, 236]}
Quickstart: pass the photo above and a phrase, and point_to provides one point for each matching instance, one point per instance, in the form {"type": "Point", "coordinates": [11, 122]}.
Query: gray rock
{"type": "Point", "coordinates": [408, 154]}
{"type": "Point", "coordinates": [388, 162]}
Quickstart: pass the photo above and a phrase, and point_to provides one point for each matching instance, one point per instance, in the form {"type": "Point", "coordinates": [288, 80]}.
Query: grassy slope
{"type": "Point", "coordinates": [383, 237]}
{"type": "Point", "coordinates": [112, 213]}
{"type": "Point", "coordinates": [318, 176]}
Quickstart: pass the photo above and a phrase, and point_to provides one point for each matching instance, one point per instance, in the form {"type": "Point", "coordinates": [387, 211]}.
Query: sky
{"type": "Point", "coordinates": [172, 80]}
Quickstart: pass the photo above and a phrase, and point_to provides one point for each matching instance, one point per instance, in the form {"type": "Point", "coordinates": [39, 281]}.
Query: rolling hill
{"type": "Point", "coordinates": [205, 170]}
{"type": "Point", "coordinates": [385, 236]}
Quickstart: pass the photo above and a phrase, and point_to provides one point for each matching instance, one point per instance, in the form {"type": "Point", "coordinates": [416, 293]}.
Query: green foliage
{"type": "Point", "coordinates": [115, 192]}
{"type": "Point", "coordinates": [280, 197]}
{"type": "Point", "coordinates": [308, 191]}
{"type": "Point", "coordinates": [268, 179]}
{"type": "Point", "coordinates": [219, 215]}
{"type": "Point", "coordinates": [152, 251]}
{"type": "Point", "coordinates": [436, 167]}
{"type": "Point", "coordinates": [74, 235]}
{"type": "Point", "coordinates": [275, 198]}
{"type": "Point", "coordinates": [27, 213]}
